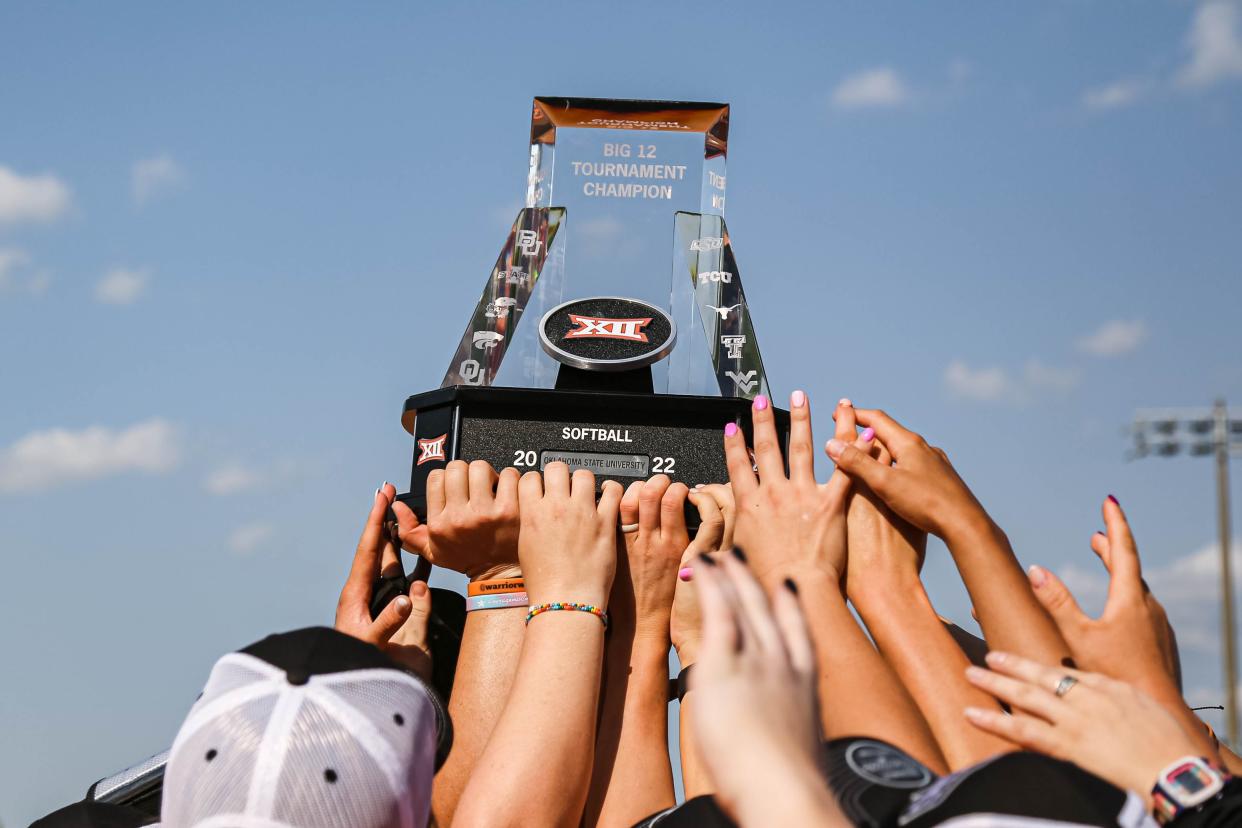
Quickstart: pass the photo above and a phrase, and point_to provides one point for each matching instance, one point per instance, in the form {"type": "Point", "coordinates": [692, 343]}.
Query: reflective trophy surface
{"type": "Point", "coordinates": [613, 332]}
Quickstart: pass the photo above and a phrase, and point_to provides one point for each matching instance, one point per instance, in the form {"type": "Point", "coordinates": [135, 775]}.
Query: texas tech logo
{"type": "Point", "coordinates": [592, 328]}
{"type": "Point", "coordinates": [431, 450]}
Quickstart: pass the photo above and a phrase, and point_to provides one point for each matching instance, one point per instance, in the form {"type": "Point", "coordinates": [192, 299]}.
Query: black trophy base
{"type": "Point", "coordinates": [618, 436]}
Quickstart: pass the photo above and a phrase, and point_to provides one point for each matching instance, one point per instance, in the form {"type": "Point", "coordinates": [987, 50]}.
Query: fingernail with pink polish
{"type": "Point", "coordinates": [845, 401]}
{"type": "Point", "coordinates": [1038, 575]}
{"type": "Point", "coordinates": [685, 573]}
{"type": "Point", "coordinates": [761, 403]}
{"type": "Point", "coordinates": [797, 399]}
{"type": "Point", "coordinates": [868, 434]}
{"type": "Point", "coordinates": [730, 429]}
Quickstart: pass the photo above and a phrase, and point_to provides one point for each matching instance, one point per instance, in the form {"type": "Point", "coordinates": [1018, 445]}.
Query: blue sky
{"type": "Point", "coordinates": [233, 240]}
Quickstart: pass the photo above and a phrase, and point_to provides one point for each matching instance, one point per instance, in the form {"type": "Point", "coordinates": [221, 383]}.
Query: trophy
{"type": "Point", "coordinates": [613, 333]}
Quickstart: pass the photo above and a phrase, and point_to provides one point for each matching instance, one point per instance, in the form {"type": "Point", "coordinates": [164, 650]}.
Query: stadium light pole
{"type": "Point", "coordinates": [1164, 432]}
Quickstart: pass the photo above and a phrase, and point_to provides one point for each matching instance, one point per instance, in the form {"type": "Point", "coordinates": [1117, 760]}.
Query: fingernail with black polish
{"type": "Point", "coordinates": [706, 560]}
{"type": "Point", "coordinates": [791, 586]}
{"type": "Point", "coordinates": [739, 554]}
{"type": "Point", "coordinates": [1114, 500]}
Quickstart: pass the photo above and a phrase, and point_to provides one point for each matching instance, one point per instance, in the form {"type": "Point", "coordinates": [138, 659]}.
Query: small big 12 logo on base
{"type": "Point", "coordinates": [431, 450]}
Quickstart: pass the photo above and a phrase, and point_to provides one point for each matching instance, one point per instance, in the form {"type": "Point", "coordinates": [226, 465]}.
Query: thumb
{"type": "Point", "coordinates": [1057, 600]}
{"type": "Point", "coordinates": [860, 465]}
{"type": "Point", "coordinates": [412, 532]}
{"type": "Point", "coordinates": [390, 619]}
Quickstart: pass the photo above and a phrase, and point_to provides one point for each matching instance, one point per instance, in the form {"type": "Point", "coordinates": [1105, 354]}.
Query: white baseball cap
{"type": "Point", "coordinates": [307, 728]}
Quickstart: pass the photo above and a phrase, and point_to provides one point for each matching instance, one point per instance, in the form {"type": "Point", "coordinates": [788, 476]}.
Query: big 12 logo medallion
{"type": "Point", "coordinates": [607, 333]}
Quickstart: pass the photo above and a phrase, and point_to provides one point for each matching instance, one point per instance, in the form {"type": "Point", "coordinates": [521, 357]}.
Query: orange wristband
{"type": "Point", "coordinates": [476, 588]}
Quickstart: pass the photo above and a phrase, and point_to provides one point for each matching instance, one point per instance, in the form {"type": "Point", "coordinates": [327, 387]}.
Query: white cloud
{"type": "Point", "coordinates": [1114, 95]}
{"type": "Point", "coordinates": [1215, 46]}
{"type": "Point", "coordinates": [10, 260]}
{"type": "Point", "coordinates": [248, 538]}
{"type": "Point", "coordinates": [1038, 376]}
{"type": "Point", "coordinates": [153, 177]}
{"type": "Point", "coordinates": [1115, 338]}
{"type": "Point", "coordinates": [31, 197]}
{"type": "Point", "coordinates": [16, 275]}
{"type": "Point", "coordinates": [995, 384]}
{"type": "Point", "coordinates": [122, 286]}
{"type": "Point", "coordinates": [981, 384]}
{"type": "Point", "coordinates": [960, 70]}
{"type": "Point", "coordinates": [45, 459]}
{"type": "Point", "coordinates": [879, 87]}
{"type": "Point", "coordinates": [233, 478]}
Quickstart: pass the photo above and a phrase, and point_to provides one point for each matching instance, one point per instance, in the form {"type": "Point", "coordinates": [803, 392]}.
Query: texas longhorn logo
{"type": "Point", "coordinates": [433, 449]}
{"type": "Point", "coordinates": [590, 327]}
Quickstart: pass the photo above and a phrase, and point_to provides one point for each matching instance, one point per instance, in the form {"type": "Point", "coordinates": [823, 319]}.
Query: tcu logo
{"type": "Point", "coordinates": [431, 450]}
{"type": "Point", "coordinates": [715, 276]}
{"type": "Point", "coordinates": [734, 345]}
{"type": "Point", "coordinates": [708, 243]}
{"type": "Point", "coordinates": [590, 327]}
{"type": "Point", "coordinates": [528, 242]}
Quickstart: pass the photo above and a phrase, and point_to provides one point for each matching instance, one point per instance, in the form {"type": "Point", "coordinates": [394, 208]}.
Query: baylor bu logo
{"type": "Point", "coordinates": [590, 327]}
{"type": "Point", "coordinates": [433, 449]}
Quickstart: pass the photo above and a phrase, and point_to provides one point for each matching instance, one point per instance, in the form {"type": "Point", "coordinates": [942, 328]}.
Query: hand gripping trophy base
{"type": "Point", "coordinates": [618, 436]}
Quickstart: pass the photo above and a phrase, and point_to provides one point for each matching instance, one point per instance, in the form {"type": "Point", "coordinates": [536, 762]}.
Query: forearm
{"type": "Point", "coordinates": [486, 664]}
{"type": "Point", "coordinates": [1009, 614]}
{"type": "Point", "coordinates": [859, 693]}
{"type": "Point", "coordinates": [929, 663]}
{"type": "Point", "coordinates": [695, 780]}
{"type": "Point", "coordinates": [632, 776]}
{"type": "Point", "coordinates": [537, 764]}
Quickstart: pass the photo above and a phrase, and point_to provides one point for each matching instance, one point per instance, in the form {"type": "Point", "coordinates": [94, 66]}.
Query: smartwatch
{"type": "Point", "coordinates": [1185, 784]}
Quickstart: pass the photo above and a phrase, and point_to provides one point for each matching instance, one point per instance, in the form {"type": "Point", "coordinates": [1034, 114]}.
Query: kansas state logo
{"type": "Point", "coordinates": [431, 450]}
{"type": "Point", "coordinates": [607, 333]}
{"type": "Point", "coordinates": [631, 329]}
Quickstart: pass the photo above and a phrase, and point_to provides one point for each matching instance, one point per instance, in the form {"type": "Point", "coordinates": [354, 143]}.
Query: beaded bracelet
{"type": "Point", "coordinates": [539, 609]}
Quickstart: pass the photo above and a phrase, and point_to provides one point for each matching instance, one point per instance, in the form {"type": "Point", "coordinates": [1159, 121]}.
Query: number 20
{"type": "Point", "coordinates": [525, 458]}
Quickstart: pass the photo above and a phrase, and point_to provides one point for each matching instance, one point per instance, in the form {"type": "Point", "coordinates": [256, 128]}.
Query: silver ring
{"type": "Point", "coordinates": [1065, 685]}
{"type": "Point", "coordinates": [629, 528]}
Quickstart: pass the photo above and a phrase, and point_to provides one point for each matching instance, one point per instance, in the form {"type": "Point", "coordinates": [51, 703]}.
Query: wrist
{"type": "Point", "coordinates": [885, 587]}
{"type": "Point", "coordinates": [687, 651]}
{"type": "Point", "coordinates": [811, 578]}
{"type": "Point", "coordinates": [495, 571]}
{"type": "Point", "coordinates": [973, 527]}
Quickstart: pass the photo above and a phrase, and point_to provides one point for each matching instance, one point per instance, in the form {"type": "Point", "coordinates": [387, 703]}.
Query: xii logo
{"type": "Point", "coordinates": [431, 450]}
{"type": "Point", "coordinates": [590, 327]}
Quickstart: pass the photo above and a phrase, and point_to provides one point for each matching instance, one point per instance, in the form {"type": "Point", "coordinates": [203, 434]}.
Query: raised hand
{"type": "Point", "coordinates": [642, 595]}
{"type": "Point", "coordinates": [1130, 640]}
{"type": "Point", "coordinates": [915, 480]}
{"type": "Point", "coordinates": [567, 545]}
{"type": "Point", "coordinates": [401, 628]}
{"type": "Point", "coordinates": [716, 509]}
{"type": "Point", "coordinates": [922, 487]}
{"type": "Point", "coordinates": [755, 714]}
{"type": "Point", "coordinates": [788, 524]}
{"type": "Point", "coordinates": [1107, 727]}
{"type": "Point", "coordinates": [472, 520]}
